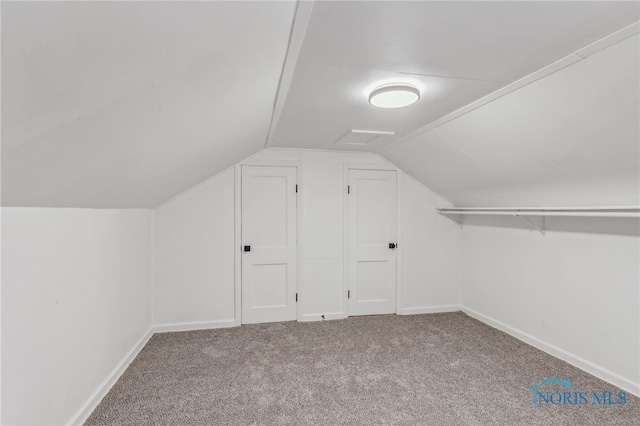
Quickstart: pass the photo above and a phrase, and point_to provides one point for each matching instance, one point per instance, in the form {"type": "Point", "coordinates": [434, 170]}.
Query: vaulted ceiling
{"type": "Point", "coordinates": [571, 138]}
{"type": "Point", "coordinates": [126, 104]}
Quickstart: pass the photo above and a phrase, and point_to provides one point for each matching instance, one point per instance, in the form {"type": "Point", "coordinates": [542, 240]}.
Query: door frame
{"type": "Point", "coordinates": [345, 231]}
{"type": "Point", "coordinates": [238, 231]}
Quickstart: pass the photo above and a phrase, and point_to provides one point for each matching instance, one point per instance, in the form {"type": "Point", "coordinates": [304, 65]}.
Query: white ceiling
{"type": "Point", "coordinates": [455, 52]}
{"type": "Point", "coordinates": [126, 104]}
{"type": "Point", "coordinates": [571, 138]}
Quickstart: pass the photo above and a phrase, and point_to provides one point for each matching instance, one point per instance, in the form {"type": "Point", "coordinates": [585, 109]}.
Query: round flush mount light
{"type": "Point", "coordinates": [394, 96]}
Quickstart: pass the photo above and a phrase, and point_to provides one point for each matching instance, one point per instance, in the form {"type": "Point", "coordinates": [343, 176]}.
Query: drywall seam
{"type": "Point", "coordinates": [576, 361]}
{"type": "Point", "coordinates": [94, 400]}
{"type": "Point", "coordinates": [189, 326]}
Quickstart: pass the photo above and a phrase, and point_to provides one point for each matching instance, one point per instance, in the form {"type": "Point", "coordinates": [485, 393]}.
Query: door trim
{"type": "Point", "coordinates": [238, 231]}
{"type": "Point", "coordinates": [345, 231]}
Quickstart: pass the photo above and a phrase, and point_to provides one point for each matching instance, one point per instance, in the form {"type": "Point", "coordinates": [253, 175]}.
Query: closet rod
{"type": "Point", "coordinates": [632, 212]}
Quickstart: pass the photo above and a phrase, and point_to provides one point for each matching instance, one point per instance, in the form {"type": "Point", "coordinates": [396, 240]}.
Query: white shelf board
{"type": "Point", "coordinates": [603, 211]}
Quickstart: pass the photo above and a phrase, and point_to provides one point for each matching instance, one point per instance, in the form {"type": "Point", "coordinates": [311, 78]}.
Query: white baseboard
{"type": "Point", "coordinates": [318, 317]}
{"type": "Point", "coordinates": [189, 326]}
{"type": "Point", "coordinates": [576, 361]}
{"type": "Point", "coordinates": [430, 310]}
{"type": "Point", "coordinates": [83, 414]}
{"type": "Point", "coordinates": [404, 311]}
{"type": "Point", "coordinates": [94, 400]}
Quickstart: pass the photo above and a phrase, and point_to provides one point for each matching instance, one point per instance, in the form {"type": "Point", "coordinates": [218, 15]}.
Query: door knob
{"type": "Point", "coordinates": [247, 248]}
{"type": "Point", "coordinates": [392, 245]}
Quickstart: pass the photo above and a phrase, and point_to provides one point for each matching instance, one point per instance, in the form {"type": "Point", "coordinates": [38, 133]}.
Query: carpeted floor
{"type": "Point", "coordinates": [437, 369]}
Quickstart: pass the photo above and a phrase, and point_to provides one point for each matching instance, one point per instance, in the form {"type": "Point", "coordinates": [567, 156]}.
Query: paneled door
{"type": "Point", "coordinates": [269, 244]}
{"type": "Point", "coordinates": [371, 242]}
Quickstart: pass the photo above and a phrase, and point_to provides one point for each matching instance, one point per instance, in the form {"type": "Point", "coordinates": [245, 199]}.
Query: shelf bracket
{"type": "Point", "coordinates": [538, 227]}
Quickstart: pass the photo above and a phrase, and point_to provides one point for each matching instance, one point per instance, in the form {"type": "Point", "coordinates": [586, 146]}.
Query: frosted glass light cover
{"type": "Point", "coordinates": [394, 96]}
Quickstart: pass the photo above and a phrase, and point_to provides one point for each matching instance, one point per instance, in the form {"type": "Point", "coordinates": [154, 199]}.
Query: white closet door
{"type": "Point", "coordinates": [269, 244]}
{"type": "Point", "coordinates": [371, 241]}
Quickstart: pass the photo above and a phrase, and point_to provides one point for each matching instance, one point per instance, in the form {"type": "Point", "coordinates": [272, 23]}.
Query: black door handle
{"type": "Point", "coordinates": [247, 248]}
{"type": "Point", "coordinates": [392, 245]}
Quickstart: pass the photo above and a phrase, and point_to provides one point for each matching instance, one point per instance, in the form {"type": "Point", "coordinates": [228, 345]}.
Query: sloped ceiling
{"type": "Point", "coordinates": [569, 139]}
{"type": "Point", "coordinates": [454, 52]}
{"type": "Point", "coordinates": [126, 104]}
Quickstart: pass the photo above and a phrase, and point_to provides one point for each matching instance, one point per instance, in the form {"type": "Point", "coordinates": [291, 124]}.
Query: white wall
{"type": "Point", "coordinates": [81, 288]}
{"type": "Point", "coordinates": [75, 303]}
{"type": "Point", "coordinates": [430, 251]}
{"type": "Point", "coordinates": [193, 257]}
{"type": "Point", "coordinates": [194, 245]}
{"type": "Point", "coordinates": [573, 292]}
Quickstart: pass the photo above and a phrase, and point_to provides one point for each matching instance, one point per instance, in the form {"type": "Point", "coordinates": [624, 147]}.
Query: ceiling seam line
{"type": "Point", "coordinates": [417, 74]}
{"type": "Point", "coordinates": [420, 132]}
{"type": "Point", "coordinates": [609, 40]}
{"type": "Point", "coordinates": [284, 65]}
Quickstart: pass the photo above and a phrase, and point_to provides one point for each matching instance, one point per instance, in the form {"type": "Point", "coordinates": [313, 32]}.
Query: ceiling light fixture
{"type": "Point", "coordinates": [394, 96]}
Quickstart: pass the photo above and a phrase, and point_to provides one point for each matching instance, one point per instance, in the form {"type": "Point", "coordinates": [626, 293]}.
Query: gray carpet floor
{"type": "Point", "coordinates": [437, 369]}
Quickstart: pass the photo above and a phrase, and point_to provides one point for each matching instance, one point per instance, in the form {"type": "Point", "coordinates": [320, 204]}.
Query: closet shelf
{"type": "Point", "coordinates": [546, 211]}
{"type": "Point", "coordinates": [456, 213]}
